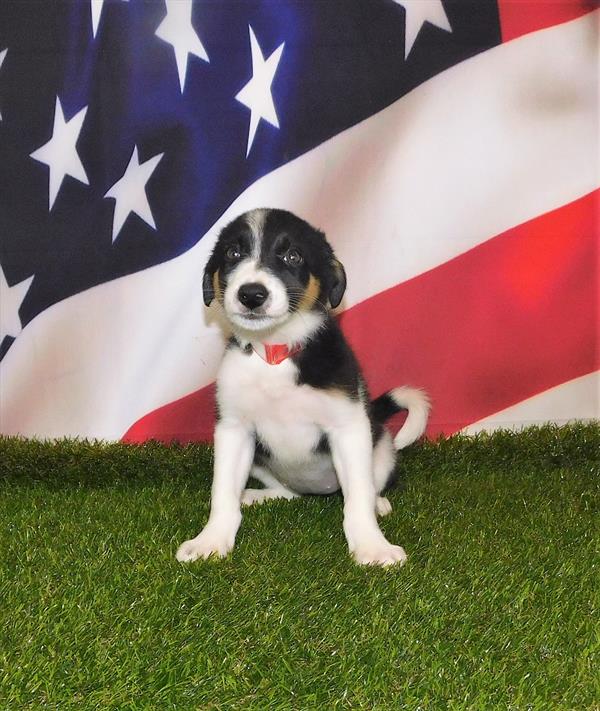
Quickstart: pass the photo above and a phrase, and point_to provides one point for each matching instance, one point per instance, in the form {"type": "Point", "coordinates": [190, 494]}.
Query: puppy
{"type": "Point", "coordinates": [293, 409]}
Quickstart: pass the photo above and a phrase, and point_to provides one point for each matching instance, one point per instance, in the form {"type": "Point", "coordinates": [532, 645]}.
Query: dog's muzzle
{"type": "Point", "coordinates": [252, 295]}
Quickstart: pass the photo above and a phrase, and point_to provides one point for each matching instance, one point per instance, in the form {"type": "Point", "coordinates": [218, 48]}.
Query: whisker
{"type": "Point", "coordinates": [296, 295]}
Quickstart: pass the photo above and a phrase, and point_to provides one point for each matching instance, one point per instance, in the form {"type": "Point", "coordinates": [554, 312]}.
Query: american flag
{"type": "Point", "coordinates": [448, 148]}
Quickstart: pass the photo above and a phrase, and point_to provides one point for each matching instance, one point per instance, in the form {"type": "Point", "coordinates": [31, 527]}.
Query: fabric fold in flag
{"type": "Point", "coordinates": [575, 400]}
{"type": "Point", "coordinates": [533, 326]}
{"type": "Point", "coordinates": [463, 209]}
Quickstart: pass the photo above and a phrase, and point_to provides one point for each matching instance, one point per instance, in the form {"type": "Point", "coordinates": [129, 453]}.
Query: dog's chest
{"type": "Point", "coordinates": [287, 417]}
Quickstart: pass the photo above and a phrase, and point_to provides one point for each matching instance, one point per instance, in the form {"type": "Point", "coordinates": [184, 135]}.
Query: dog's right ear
{"type": "Point", "coordinates": [208, 289]}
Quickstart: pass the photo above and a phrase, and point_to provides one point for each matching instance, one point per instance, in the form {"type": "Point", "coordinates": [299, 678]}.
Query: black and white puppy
{"type": "Point", "coordinates": [293, 409]}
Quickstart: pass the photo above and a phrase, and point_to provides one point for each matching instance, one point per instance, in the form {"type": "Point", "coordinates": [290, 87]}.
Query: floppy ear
{"type": "Point", "coordinates": [337, 284]}
{"type": "Point", "coordinates": [208, 289]}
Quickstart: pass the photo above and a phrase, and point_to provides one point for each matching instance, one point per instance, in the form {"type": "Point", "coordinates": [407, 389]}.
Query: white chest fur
{"type": "Point", "coordinates": [288, 418]}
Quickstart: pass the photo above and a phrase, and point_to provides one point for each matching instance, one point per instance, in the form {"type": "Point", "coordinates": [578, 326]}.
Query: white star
{"type": "Point", "coordinates": [96, 8]}
{"type": "Point", "coordinates": [60, 153]}
{"type": "Point", "coordinates": [176, 29]}
{"type": "Point", "coordinates": [418, 12]}
{"type": "Point", "coordinates": [11, 298]}
{"type": "Point", "coordinates": [2, 55]}
{"type": "Point", "coordinates": [256, 95]}
{"type": "Point", "coordinates": [130, 192]}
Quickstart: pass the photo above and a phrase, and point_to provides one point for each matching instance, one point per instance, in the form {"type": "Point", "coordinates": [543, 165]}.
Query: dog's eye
{"type": "Point", "coordinates": [233, 254]}
{"type": "Point", "coordinates": [293, 258]}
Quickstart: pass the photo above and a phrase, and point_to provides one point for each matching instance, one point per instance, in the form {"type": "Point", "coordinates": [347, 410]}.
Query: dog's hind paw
{"type": "Point", "coordinates": [259, 496]}
{"type": "Point", "coordinates": [382, 506]}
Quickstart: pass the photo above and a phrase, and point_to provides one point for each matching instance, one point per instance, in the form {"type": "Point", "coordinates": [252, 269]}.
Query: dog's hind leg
{"type": "Point", "coordinates": [384, 460]}
{"type": "Point", "coordinates": [274, 489]}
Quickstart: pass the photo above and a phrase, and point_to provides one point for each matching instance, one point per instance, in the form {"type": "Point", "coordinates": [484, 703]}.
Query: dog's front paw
{"type": "Point", "coordinates": [208, 542]}
{"type": "Point", "coordinates": [381, 553]}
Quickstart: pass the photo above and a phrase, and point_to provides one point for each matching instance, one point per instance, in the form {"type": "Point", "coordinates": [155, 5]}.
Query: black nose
{"type": "Point", "coordinates": [252, 295]}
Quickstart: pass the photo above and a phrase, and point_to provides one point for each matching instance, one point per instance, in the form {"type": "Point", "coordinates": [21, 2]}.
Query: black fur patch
{"type": "Point", "coordinates": [232, 342]}
{"type": "Point", "coordinates": [323, 445]}
{"type": "Point", "coordinates": [236, 234]}
{"type": "Point", "coordinates": [328, 363]}
{"type": "Point", "coordinates": [262, 454]}
{"type": "Point", "coordinates": [282, 232]}
{"type": "Point", "coordinates": [383, 407]}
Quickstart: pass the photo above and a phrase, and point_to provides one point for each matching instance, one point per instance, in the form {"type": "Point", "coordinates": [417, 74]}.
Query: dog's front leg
{"type": "Point", "coordinates": [234, 452]}
{"type": "Point", "coordinates": [352, 452]}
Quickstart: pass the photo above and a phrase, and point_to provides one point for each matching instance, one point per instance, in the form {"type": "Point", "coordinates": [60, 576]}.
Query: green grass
{"type": "Point", "coordinates": [496, 608]}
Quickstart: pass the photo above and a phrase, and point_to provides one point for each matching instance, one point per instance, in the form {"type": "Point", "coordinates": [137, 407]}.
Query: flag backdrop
{"type": "Point", "coordinates": [448, 148]}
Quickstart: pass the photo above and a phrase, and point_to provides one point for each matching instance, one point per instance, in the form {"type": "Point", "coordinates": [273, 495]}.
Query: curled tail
{"type": "Point", "coordinates": [404, 398]}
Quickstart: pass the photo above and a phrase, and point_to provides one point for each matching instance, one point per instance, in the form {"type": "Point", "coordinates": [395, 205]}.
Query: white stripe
{"type": "Point", "coordinates": [487, 145]}
{"type": "Point", "coordinates": [494, 141]}
{"type": "Point", "coordinates": [577, 399]}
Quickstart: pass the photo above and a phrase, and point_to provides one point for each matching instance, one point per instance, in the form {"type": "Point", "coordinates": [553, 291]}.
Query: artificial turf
{"type": "Point", "coordinates": [496, 607]}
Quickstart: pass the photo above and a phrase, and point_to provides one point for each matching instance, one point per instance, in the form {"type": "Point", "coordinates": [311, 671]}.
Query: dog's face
{"type": "Point", "coordinates": [268, 265]}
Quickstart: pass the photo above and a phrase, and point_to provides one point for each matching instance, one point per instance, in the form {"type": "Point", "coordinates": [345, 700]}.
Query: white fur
{"type": "Point", "coordinates": [276, 307]}
{"type": "Point", "coordinates": [296, 330]}
{"type": "Point", "coordinates": [383, 506]}
{"type": "Point", "coordinates": [384, 459]}
{"type": "Point", "coordinates": [290, 419]}
{"type": "Point", "coordinates": [352, 451]}
{"type": "Point", "coordinates": [255, 219]}
{"type": "Point", "coordinates": [277, 324]}
{"type": "Point", "coordinates": [418, 406]}
{"type": "Point", "coordinates": [265, 402]}
{"type": "Point", "coordinates": [274, 489]}
{"type": "Point", "coordinates": [234, 450]}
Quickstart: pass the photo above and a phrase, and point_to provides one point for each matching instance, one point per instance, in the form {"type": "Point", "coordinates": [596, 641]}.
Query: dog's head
{"type": "Point", "coordinates": [269, 265]}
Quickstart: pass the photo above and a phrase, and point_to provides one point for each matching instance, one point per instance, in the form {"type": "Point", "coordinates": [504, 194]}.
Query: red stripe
{"type": "Point", "coordinates": [494, 326]}
{"type": "Point", "coordinates": [519, 17]}
{"type": "Point", "coordinates": [506, 320]}
{"type": "Point", "coordinates": [190, 419]}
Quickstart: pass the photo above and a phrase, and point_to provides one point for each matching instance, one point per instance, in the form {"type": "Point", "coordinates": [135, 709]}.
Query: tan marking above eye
{"type": "Point", "coordinates": [311, 293]}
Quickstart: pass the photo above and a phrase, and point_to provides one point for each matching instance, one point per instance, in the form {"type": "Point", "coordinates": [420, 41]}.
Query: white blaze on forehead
{"type": "Point", "coordinates": [255, 219]}
{"type": "Point", "coordinates": [249, 272]}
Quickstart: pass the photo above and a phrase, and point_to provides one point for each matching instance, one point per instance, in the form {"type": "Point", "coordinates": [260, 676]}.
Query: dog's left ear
{"type": "Point", "coordinates": [208, 289]}
{"type": "Point", "coordinates": [337, 283]}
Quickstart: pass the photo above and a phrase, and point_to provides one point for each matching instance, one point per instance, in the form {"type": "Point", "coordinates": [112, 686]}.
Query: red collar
{"type": "Point", "coordinates": [275, 353]}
